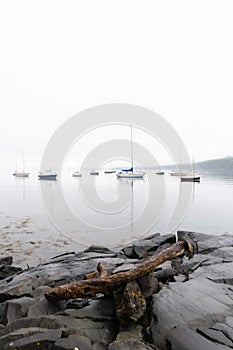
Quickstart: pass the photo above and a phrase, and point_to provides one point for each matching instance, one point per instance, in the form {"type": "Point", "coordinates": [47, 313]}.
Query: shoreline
{"type": "Point", "coordinates": [190, 308]}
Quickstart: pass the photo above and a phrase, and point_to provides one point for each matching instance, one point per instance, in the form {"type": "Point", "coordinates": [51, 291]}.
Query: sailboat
{"type": "Point", "coordinates": [179, 172]}
{"type": "Point", "coordinates": [76, 174]}
{"type": "Point", "coordinates": [192, 177]}
{"type": "Point", "coordinates": [21, 173]}
{"type": "Point", "coordinates": [130, 173]}
{"type": "Point", "coordinates": [47, 175]}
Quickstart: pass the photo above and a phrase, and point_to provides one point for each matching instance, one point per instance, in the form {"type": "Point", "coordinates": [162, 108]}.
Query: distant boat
{"type": "Point", "coordinates": [130, 173]}
{"type": "Point", "coordinates": [47, 175]}
{"type": "Point", "coordinates": [21, 173]}
{"type": "Point", "coordinates": [76, 174]}
{"type": "Point", "coordinates": [110, 171]}
{"type": "Point", "coordinates": [160, 172]}
{"type": "Point", "coordinates": [178, 173]}
{"type": "Point", "coordinates": [191, 177]}
{"type": "Point", "coordinates": [94, 172]}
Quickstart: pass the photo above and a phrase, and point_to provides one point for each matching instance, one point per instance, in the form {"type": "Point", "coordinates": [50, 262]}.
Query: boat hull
{"type": "Point", "coordinates": [47, 177]}
{"type": "Point", "coordinates": [190, 179]}
{"type": "Point", "coordinates": [21, 174]}
{"type": "Point", "coordinates": [130, 175]}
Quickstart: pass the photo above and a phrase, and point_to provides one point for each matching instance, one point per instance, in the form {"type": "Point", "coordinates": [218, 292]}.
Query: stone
{"type": "Point", "coordinates": [217, 336]}
{"type": "Point", "coordinates": [73, 342]}
{"type": "Point", "coordinates": [183, 338]}
{"type": "Point", "coordinates": [149, 284]}
{"type": "Point", "coordinates": [130, 345]}
{"type": "Point", "coordinates": [38, 341]}
{"type": "Point", "coordinates": [98, 249]}
{"type": "Point", "coordinates": [98, 310]}
{"type": "Point", "coordinates": [196, 303]}
{"type": "Point", "coordinates": [44, 307]}
{"type": "Point", "coordinates": [17, 308]}
{"type": "Point", "coordinates": [7, 271]}
{"type": "Point", "coordinates": [6, 260]}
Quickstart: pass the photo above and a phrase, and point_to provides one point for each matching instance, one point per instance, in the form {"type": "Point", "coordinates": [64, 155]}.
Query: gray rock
{"type": "Point", "coordinates": [18, 334]}
{"type": "Point", "coordinates": [73, 342]}
{"type": "Point", "coordinates": [130, 345]}
{"type": "Point", "coordinates": [149, 284]}
{"type": "Point", "coordinates": [39, 340]}
{"type": "Point", "coordinates": [17, 308]}
{"type": "Point", "coordinates": [44, 307]}
{"type": "Point", "coordinates": [219, 273]}
{"type": "Point", "coordinates": [217, 336]}
{"type": "Point", "coordinates": [182, 338]}
{"type": "Point", "coordinates": [198, 302]}
{"type": "Point", "coordinates": [98, 310]}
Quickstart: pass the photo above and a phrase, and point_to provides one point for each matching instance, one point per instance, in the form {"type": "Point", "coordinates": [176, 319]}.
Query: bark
{"type": "Point", "coordinates": [108, 283]}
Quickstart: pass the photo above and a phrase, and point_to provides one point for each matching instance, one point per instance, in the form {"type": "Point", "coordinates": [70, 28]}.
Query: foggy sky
{"type": "Point", "coordinates": [59, 57]}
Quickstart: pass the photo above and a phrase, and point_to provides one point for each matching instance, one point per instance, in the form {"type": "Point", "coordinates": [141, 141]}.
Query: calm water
{"type": "Point", "coordinates": [104, 210]}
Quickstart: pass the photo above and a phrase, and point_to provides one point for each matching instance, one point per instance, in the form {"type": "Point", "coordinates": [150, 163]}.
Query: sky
{"type": "Point", "coordinates": [60, 57]}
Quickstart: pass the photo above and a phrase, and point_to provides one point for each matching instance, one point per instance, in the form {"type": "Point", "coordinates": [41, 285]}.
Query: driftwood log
{"type": "Point", "coordinates": [108, 283]}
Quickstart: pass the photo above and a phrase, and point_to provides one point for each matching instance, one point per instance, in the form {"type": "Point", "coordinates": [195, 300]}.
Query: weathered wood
{"type": "Point", "coordinates": [108, 283]}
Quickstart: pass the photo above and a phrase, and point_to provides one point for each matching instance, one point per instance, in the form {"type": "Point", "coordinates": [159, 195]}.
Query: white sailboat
{"type": "Point", "coordinates": [130, 173]}
{"type": "Point", "coordinates": [76, 174]}
{"type": "Point", "coordinates": [191, 177]}
{"type": "Point", "coordinates": [179, 172]}
{"type": "Point", "coordinates": [21, 173]}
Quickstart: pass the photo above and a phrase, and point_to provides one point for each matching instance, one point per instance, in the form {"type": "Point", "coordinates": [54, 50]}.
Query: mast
{"type": "Point", "coordinates": [23, 163]}
{"type": "Point", "coordinates": [131, 128]}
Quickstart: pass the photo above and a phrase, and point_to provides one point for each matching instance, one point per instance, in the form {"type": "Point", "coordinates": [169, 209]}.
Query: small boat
{"type": "Point", "coordinates": [94, 172]}
{"type": "Point", "coordinates": [76, 174]}
{"type": "Point", "coordinates": [191, 177]}
{"type": "Point", "coordinates": [160, 172]}
{"type": "Point", "coordinates": [21, 173]}
{"type": "Point", "coordinates": [178, 173]}
{"type": "Point", "coordinates": [131, 173]}
{"type": "Point", "coordinates": [110, 171]}
{"type": "Point", "coordinates": [47, 176]}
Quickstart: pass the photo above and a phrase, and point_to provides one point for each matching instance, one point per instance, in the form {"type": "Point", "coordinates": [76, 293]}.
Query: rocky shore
{"type": "Point", "coordinates": [188, 307]}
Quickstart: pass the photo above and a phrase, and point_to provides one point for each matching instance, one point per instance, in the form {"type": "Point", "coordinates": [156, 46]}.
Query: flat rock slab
{"type": "Point", "coordinates": [198, 302]}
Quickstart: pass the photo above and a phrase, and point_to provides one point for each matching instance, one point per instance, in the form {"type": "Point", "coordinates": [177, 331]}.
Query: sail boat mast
{"type": "Point", "coordinates": [131, 135]}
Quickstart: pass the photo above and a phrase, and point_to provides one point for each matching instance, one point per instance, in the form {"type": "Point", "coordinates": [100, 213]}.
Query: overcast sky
{"type": "Point", "coordinates": [59, 57]}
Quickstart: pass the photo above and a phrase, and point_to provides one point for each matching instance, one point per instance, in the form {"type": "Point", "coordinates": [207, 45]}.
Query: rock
{"type": "Point", "coordinates": [164, 275]}
{"type": "Point", "coordinates": [17, 308]}
{"type": "Point", "coordinates": [142, 247]}
{"type": "Point", "coordinates": [73, 342]}
{"type": "Point", "coordinates": [98, 249]}
{"type": "Point", "coordinates": [18, 334]}
{"type": "Point", "coordinates": [219, 273]}
{"type": "Point", "coordinates": [130, 345]}
{"type": "Point", "coordinates": [76, 303]}
{"type": "Point", "coordinates": [43, 307]}
{"type": "Point", "coordinates": [38, 340]}
{"type": "Point", "coordinates": [6, 260]}
{"type": "Point", "coordinates": [149, 284]}
{"type": "Point", "coordinates": [183, 338]}
{"type": "Point", "coordinates": [98, 310]}
{"type": "Point", "coordinates": [7, 271]}
{"type": "Point", "coordinates": [217, 336]}
{"type": "Point", "coordinates": [196, 303]}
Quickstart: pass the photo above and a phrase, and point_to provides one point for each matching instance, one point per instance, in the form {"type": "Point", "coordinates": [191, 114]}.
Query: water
{"type": "Point", "coordinates": [110, 212]}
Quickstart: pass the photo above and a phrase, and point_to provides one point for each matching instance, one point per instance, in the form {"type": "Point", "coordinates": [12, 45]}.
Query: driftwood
{"type": "Point", "coordinates": [108, 283]}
